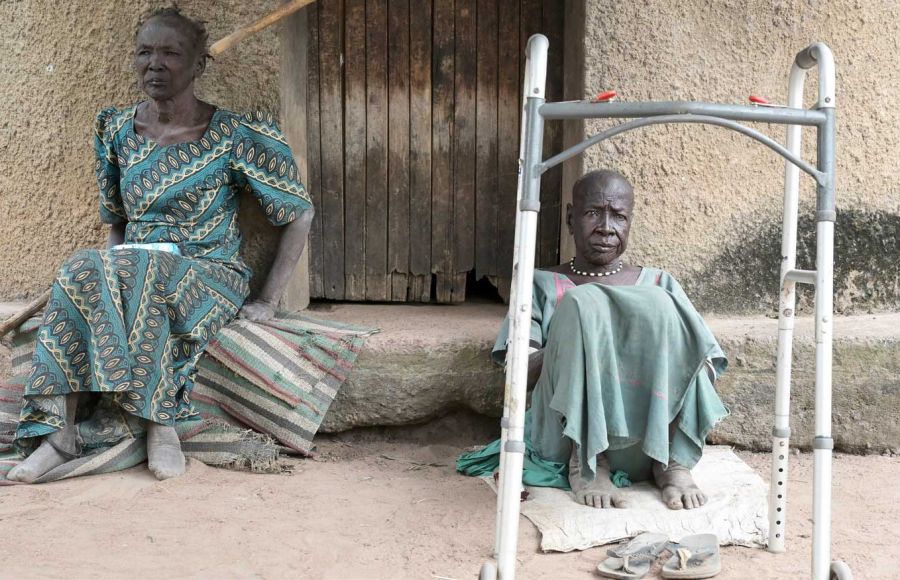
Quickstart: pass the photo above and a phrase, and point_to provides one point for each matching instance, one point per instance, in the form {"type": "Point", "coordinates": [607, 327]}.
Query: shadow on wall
{"type": "Point", "coordinates": [743, 279]}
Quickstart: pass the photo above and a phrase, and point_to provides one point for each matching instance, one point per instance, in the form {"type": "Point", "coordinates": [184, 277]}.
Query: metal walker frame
{"type": "Point", "coordinates": [531, 167]}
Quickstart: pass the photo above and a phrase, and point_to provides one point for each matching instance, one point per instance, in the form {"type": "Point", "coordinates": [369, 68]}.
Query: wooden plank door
{"type": "Point", "coordinates": [414, 118]}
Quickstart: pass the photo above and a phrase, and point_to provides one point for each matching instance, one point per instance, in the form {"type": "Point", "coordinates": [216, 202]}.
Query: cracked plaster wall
{"type": "Point", "coordinates": [708, 205]}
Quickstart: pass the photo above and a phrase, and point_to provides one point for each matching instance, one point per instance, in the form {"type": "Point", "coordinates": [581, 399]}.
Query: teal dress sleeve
{"type": "Point", "coordinates": [262, 163]}
{"type": "Point", "coordinates": [537, 338]}
{"type": "Point", "coordinates": [107, 167]}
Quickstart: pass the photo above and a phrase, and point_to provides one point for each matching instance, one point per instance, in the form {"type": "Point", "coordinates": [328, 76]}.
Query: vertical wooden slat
{"type": "Point", "coordinates": [573, 129]}
{"type": "Point", "coordinates": [508, 118]}
{"type": "Point", "coordinates": [486, 182]}
{"type": "Point", "coordinates": [398, 148]}
{"type": "Point", "coordinates": [355, 148]}
{"type": "Point", "coordinates": [442, 149]}
{"type": "Point", "coordinates": [314, 176]}
{"type": "Point", "coordinates": [376, 151]}
{"type": "Point", "coordinates": [464, 147]}
{"type": "Point", "coordinates": [551, 182]}
{"type": "Point", "coordinates": [420, 150]}
{"type": "Point", "coordinates": [293, 37]}
{"type": "Point", "coordinates": [331, 21]}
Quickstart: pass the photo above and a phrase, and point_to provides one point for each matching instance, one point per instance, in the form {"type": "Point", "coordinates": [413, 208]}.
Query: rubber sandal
{"type": "Point", "coordinates": [633, 559]}
{"type": "Point", "coordinates": [694, 557]}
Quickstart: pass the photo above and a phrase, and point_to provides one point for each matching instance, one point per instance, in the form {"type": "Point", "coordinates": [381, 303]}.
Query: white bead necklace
{"type": "Point", "coordinates": [595, 274]}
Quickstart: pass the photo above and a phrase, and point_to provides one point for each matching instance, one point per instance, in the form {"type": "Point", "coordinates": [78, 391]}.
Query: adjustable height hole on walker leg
{"type": "Point", "coordinates": [780, 470]}
{"type": "Point", "coordinates": [780, 483]}
{"type": "Point", "coordinates": [781, 457]}
{"type": "Point", "coordinates": [777, 509]}
{"type": "Point", "coordinates": [780, 496]}
{"type": "Point", "coordinates": [777, 535]}
{"type": "Point", "coordinates": [778, 523]}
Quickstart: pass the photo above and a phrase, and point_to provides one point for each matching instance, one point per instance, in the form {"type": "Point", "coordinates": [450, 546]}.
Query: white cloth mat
{"type": "Point", "coordinates": [737, 510]}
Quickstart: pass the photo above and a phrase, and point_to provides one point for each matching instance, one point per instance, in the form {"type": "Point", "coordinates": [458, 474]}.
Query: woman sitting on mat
{"type": "Point", "coordinates": [124, 327]}
{"type": "Point", "coordinates": [622, 366]}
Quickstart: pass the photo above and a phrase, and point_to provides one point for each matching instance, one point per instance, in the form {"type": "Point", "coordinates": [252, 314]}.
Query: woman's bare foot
{"type": "Point", "coordinates": [164, 456]}
{"type": "Point", "coordinates": [599, 493]}
{"type": "Point", "coordinates": [677, 486]}
{"type": "Point", "coordinates": [45, 457]}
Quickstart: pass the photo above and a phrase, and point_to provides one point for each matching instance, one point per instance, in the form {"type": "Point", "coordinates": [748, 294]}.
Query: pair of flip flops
{"type": "Point", "coordinates": [694, 556]}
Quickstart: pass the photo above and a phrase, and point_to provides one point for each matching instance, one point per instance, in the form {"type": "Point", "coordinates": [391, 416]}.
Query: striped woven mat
{"type": "Point", "coordinates": [260, 388]}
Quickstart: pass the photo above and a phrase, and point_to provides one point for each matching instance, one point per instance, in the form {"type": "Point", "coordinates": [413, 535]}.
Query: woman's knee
{"type": "Point", "coordinates": [81, 260]}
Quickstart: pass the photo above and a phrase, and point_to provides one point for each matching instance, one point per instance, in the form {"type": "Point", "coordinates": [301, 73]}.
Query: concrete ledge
{"type": "Point", "coordinates": [431, 359]}
{"type": "Point", "coordinates": [427, 360]}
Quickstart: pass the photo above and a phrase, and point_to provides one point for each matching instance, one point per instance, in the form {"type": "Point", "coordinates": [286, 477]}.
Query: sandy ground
{"type": "Point", "coordinates": [372, 505]}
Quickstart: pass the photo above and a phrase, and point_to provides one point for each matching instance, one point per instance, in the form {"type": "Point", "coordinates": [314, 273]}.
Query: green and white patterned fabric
{"type": "Point", "coordinates": [131, 323]}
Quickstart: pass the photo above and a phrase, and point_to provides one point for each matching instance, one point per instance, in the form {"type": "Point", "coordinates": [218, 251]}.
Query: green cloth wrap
{"type": "Point", "coordinates": [620, 479]}
{"type": "Point", "coordinates": [536, 470]}
{"type": "Point", "coordinates": [621, 363]}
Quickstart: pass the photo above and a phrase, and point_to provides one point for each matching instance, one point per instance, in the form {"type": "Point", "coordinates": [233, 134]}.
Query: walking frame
{"type": "Point", "coordinates": [643, 114]}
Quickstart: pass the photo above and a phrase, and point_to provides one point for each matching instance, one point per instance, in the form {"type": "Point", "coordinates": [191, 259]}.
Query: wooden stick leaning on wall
{"type": "Point", "coordinates": [269, 19]}
{"type": "Point", "coordinates": [14, 321]}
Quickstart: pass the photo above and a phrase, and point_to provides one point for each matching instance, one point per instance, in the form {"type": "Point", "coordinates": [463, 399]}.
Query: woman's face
{"type": "Point", "coordinates": [165, 61]}
{"type": "Point", "coordinates": [599, 219]}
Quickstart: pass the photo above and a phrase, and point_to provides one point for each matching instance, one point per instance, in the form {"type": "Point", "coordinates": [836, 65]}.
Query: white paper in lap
{"type": "Point", "coordinates": [737, 510]}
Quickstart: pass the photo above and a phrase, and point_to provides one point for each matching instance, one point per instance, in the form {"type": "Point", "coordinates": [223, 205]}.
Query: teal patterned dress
{"type": "Point", "coordinates": [131, 323]}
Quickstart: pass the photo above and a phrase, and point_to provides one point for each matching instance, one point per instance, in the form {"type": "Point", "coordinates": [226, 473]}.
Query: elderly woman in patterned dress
{"type": "Point", "coordinates": [125, 326]}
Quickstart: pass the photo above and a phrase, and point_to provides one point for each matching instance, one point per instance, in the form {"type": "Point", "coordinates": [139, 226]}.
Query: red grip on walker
{"type": "Point", "coordinates": [605, 96]}
{"type": "Point", "coordinates": [758, 100]}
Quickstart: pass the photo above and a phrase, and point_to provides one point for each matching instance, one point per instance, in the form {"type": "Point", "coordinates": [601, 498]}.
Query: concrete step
{"type": "Point", "coordinates": [429, 360]}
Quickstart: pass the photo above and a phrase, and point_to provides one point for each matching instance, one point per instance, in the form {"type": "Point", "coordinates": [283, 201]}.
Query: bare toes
{"type": "Point", "coordinates": [162, 473]}
{"type": "Point", "coordinates": [675, 502]}
{"type": "Point", "coordinates": [20, 474]}
{"type": "Point", "coordinates": [621, 503]}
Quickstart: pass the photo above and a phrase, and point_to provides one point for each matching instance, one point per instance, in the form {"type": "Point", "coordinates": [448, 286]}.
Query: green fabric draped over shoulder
{"type": "Point", "coordinates": [621, 363]}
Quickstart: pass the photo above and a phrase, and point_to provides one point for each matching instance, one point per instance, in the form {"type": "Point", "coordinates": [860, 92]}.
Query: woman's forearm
{"type": "Point", "coordinates": [290, 248]}
{"type": "Point", "coordinates": [535, 366]}
{"type": "Point", "coordinates": [116, 235]}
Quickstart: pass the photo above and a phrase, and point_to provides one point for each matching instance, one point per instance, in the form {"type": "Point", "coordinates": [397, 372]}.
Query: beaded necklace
{"type": "Point", "coordinates": [595, 274]}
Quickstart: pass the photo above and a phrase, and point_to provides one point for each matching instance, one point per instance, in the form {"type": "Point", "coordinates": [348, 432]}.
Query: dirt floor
{"type": "Point", "coordinates": [373, 505]}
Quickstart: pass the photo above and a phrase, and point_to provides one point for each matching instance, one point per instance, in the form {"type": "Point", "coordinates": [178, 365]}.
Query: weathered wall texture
{"type": "Point", "coordinates": [709, 204]}
{"type": "Point", "coordinates": [60, 63]}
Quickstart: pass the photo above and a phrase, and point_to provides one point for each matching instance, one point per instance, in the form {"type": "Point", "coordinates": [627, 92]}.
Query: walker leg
{"type": "Point", "coordinates": [488, 571]}
{"type": "Point", "coordinates": [823, 443]}
{"type": "Point", "coordinates": [781, 431]}
{"type": "Point", "coordinates": [825, 218]}
{"type": "Point", "coordinates": [513, 443]}
{"type": "Point", "coordinates": [840, 571]}
{"type": "Point", "coordinates": [513, 302]}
